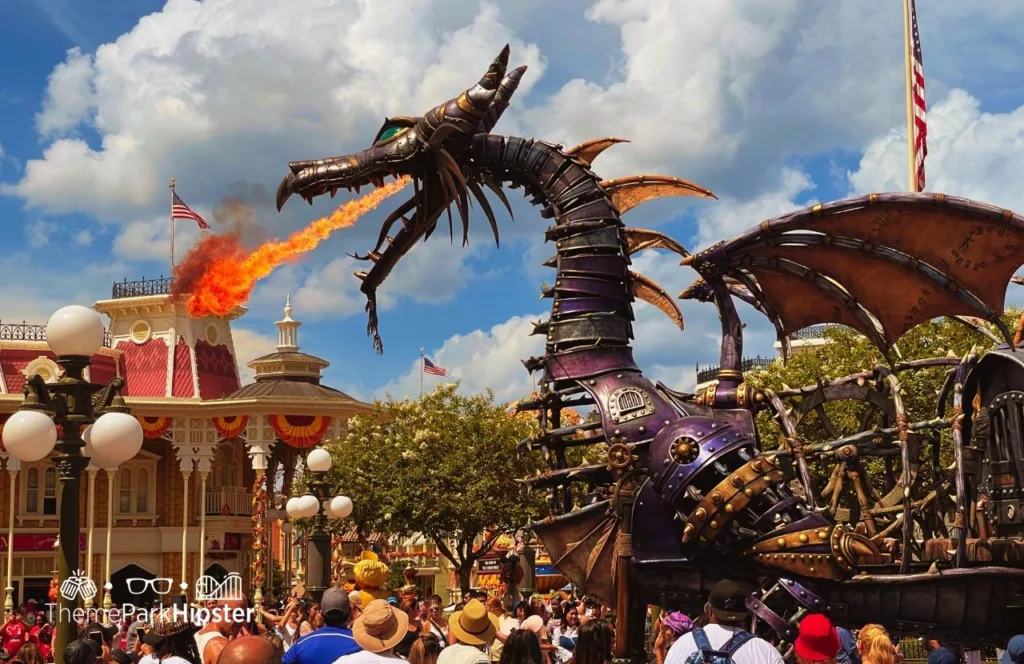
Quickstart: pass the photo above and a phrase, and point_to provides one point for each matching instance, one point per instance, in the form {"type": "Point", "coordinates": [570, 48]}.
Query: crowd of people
{"type": "Point", "coordinates": [479, 630]}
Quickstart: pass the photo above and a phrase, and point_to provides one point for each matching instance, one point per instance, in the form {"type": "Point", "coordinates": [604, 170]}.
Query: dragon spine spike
{"type": "Point", "coordinates": [588, 151]}
{"type": "Point", "coordinates": [629, 192]}
{"type": "Point", "coordinates": [640, 239]}
{"type": "Point", "coordinates": [652, 293]}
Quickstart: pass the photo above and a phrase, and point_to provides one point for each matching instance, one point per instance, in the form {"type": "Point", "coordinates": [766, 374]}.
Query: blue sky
{"type": "Point", "coordinates": [771, 105]}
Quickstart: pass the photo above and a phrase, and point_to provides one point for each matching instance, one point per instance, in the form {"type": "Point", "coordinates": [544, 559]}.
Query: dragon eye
{"type": "Point", "coordinates": [390, 133]}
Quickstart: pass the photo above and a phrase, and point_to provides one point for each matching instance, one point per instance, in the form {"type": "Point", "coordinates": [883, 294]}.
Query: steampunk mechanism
{"type": "Point", "coordinates": [687, 494]}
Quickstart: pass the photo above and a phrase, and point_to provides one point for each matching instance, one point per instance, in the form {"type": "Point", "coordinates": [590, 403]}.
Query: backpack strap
{"type": "Point", "coordinates": [739, 638]}
{"type": "Point", "coordinates": [700, 639]}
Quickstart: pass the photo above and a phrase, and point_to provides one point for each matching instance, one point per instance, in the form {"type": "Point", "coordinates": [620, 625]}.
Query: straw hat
{"type": "Point", "coordinates": [474, 625]}
{"type": "Point", "coordinates": [380, 627]}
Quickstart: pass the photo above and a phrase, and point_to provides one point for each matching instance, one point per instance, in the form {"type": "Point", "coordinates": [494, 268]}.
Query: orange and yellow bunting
{"type": "Point", "coordinates": [155, 427]}
{"type": "Point", "coordinates": [230, 426]}
{"type": "Point", "coordinates": [300, 431]}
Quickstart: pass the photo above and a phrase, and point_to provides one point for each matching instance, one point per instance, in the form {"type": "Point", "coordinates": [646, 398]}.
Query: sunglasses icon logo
{"type": "Point", "coordinates": [160, 586]}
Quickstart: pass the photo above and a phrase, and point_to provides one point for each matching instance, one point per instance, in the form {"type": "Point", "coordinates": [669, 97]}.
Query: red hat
{"type": "Point", "coordinates": [818, 640]}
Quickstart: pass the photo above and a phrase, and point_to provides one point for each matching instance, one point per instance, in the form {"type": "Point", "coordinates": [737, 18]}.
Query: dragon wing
{"type": "Point", "coordinates": [880, 264]}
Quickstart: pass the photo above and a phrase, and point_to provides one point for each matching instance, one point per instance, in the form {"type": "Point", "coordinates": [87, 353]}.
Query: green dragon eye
{"type": "Point", "coordinates": [390, 133]}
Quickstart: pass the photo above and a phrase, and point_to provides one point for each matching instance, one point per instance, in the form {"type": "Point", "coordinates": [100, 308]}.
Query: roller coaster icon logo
{"type": "Point", "coordinates": [209, 588]}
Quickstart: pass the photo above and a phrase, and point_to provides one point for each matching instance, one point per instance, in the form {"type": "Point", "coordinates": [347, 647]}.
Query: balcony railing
{"type": "Point", "coordinates": [228, 501]}
{"type": "Point", "coordinates": [141, 288]}
{"type": "Point", "coordinates": [812, 332]}
{"type": "Point", "coordinates": [28, 332]}
{"type": "Point", "coordinates": [748, 364]}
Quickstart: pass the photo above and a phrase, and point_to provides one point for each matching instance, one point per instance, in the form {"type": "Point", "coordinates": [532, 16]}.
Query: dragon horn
{"type": "Point", "coordinates": [465, 113]}
{"type": "Point", "coordinates": [501, 100]}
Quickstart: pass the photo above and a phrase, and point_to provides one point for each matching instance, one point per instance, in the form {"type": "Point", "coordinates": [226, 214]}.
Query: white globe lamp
{"type": "Point", "coordinates": [341, 507]}
{"type": "Point", "coordinates": [326, 506]}
{"type": "Point", "coordinates": [286, 527]}
{"type": "Point", "coordinates": [309, 505]}
{"type": "Point", "coordinates": [116, 437]}
{"type": "Point", "coordinates": [319, 460]}
{"type": "Point", "coordinates": [29, 435]}
{"type": "Point", "coordinates": [75, 330]}
{"type": "Point", "coordinates": [94, 457]}
{"type": "Point", "coordinates": [293, 508]}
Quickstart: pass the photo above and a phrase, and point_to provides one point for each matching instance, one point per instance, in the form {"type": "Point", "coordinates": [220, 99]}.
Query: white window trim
{"type": "Point", "coordinates": [141, 462]}
{"type": "Point", "coordinates": [41, 466]}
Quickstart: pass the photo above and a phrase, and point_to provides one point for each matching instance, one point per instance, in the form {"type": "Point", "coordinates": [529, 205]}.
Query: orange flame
{"type": "Point", "coordinates": [218, 274]}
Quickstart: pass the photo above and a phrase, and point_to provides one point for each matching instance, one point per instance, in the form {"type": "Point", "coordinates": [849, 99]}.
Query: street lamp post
{"type": "Point", "coordinates": [111, 436]}
{"type": "Point", "coordinates": [320, 505]}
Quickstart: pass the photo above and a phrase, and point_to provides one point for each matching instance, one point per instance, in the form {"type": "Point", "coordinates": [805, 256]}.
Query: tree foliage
{"type": "Point", "coordinates": [847, 352]}
{"type": "Point", "coordinates": [444, 466]}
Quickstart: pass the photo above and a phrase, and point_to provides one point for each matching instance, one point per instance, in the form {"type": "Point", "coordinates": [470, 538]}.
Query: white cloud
{"type": "Point", "coordinates": [82, 238]}
{"type": "Point", "coordinates": [149, 240]}
{"type": "Point", "coordinates": [37, 233]}
{"type": "Point", "coordinates": [970, 153]}
{"type": "Point", "coordinates": [69, 94]}
{"type": "Point", "coordinates": [248, 346]}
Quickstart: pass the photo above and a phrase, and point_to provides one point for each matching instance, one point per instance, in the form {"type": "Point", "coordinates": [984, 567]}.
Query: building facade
{"type": "Point", "coordinates": [184, 506]}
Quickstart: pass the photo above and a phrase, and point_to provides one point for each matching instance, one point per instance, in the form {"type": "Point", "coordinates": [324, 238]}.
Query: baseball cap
{"type": "Point", "coordinates": [336, 600]}
{"type": "Point", "coordinates": [1014, 653]}
{"type": "Point", "coordinates": [728, 601]}
{"type": "Point", "coordinates": [108, 631]}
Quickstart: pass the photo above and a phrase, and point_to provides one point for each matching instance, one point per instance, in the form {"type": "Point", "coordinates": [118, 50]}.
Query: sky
{"type": "Point", "coordinates": [773, 106]}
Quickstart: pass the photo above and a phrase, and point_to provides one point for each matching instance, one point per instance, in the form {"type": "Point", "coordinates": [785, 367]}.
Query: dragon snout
{"type": "Point", "coordinates": [284, 190]}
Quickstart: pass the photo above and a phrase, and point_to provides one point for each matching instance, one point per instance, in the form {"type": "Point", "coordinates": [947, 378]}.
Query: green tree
{"type": "Point", "coordinates": [444, 466]}
{"type": "Point", "coordinates": [847, 352]}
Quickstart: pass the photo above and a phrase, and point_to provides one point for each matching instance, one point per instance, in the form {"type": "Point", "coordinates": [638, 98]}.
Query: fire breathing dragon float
{"type": "Point", "coordinates": [687, 494]}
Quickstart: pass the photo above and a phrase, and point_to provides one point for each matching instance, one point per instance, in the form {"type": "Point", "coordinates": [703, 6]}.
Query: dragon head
{"type": "Point", "coordinates": [432, 151]}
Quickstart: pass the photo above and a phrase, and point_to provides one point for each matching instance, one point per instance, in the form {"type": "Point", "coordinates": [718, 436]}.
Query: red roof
{"type": "Point", "coordinates": [102, 369]}
{"type": "Point", "coordinates": [13, 363]}
{"type": "Point", "coordinates": [218, 374]}
{"type": "Point", "coordinates": [145, 368]}
{"type": "Point", "coordinates": [181, 385]}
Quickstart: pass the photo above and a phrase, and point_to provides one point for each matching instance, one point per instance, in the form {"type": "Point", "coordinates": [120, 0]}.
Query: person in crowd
{"type": "Point", "coordinates": [521, 647]}
{"type": "Point", "coordinates": [727, 615]}
{"type": "Point", "coordinates": [13, 633]}
{"type": "Point", "coordinates": [377, 631]}
{"type": "Point", "coordinates": [80, 652]}
{"type": "Point", "coordinates": [817, 640]}
{"type": "Point", "coordinates": [435, 622]}
{"type": "Point", "coordinates": [595, 642]}
{"type": "Point", "coordinates": [425, 650]}
{"type": "Point", "coordinates": [355, 602]}
{"type": "Point", "coordinates": [43, 639]}
{"type": "Point", "coordinates": [669, 629]}
{"type": "Point", "coordinates": [1014, 653]}
{"type": "Point", "coordinates": [251, 650]}
{"type": "Point", "coordinates": [331, 641]}
{"type": "Point", "coordinates": [411, 608]}
{"type": "Point", "coordinates": [522, 611]}
{"type": "Point", "coordinates": [471, 630]}
{"type": "Point", "coordinates": [275, 640]}
{"type": "Point", "coordinates": [939, 654]}
{"type": "Point", "coordinates": [497, 609]}
{"type": "Point", "coordinates": [103, 635]}
{"type": "Point", "coordinates": [29, 654]}
{"type": "Point", "coordinates": [212, 639]}
{"type": "Point", "coordinates": [175, 641]}
{"type": "Point", "coordinates": [147, 647]}
{"type": "Point", "coordinates": [564, 636]}
{"type": "Point", "coordinates": [132, 634]}
{"type": "Point", "coordinates": [118, 656]}
{"type": "Point", "coordinates": [847, 647]}
{"type": "Point", "coordinates": [875, 645]}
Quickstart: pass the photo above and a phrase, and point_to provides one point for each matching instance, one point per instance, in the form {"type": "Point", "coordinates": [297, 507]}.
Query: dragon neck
{"type": "Point", "coordinates": [590, 327]}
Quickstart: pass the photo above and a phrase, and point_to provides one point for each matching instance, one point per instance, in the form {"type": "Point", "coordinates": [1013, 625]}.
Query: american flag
{"type": "Point", "coordinates": [181, 211]}
{"type": "Point", "coordinates": [432, 369]}
{"type": "Point", "coordinates": [917, 100]}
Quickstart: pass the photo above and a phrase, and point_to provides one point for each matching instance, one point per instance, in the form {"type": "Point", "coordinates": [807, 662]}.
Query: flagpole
{"type": "Point", "coordinates": [909, 70]}
{"type": "Point", "coordinates": [172, 227]}
{"type": "Point", "coordinates": [423, 368]}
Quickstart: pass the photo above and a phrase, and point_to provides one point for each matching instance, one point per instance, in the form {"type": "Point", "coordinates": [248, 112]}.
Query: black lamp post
{"type": "Point", "coordinates": [93, 418]}
{"type": "Point", "coordinates": [318, 504]}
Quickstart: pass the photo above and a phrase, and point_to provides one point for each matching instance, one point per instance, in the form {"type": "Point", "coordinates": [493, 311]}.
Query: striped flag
{"type": "Point", "coordinates": [920, 125]}
{"type": "Point", "coordinates": [432, 369]}
{"type": "Point", "coordinates": [181, 211]}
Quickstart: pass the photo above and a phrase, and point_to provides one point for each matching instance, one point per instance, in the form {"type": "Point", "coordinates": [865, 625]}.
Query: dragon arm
{"type": "Point", "coordinates": [880, 264]}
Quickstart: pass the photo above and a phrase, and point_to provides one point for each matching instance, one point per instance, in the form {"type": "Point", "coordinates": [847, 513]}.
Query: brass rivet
{"type": "Point", "coordinates": [823, 534]}
{"type": "Point", "coordinates": [713, 525]}
{"type": "Point", "coordinates": [716, 498]}
{"type": "Point", "coordinates": [729, 508]}
{"type": "Point", "coordinates": [736, 480]}
{"type": "Point", "coordinates": [749, 493]}
{"type": "Point", "coordinates": [767, 478]}
{"type": "Point", "coordinates": [803, 538]}
{"type": "Point", "coordinates": [700, 513]}
{"type": "Point", "coordinates": [781, 542]}
{"type": "Point", "coordinates": [811, 570]}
